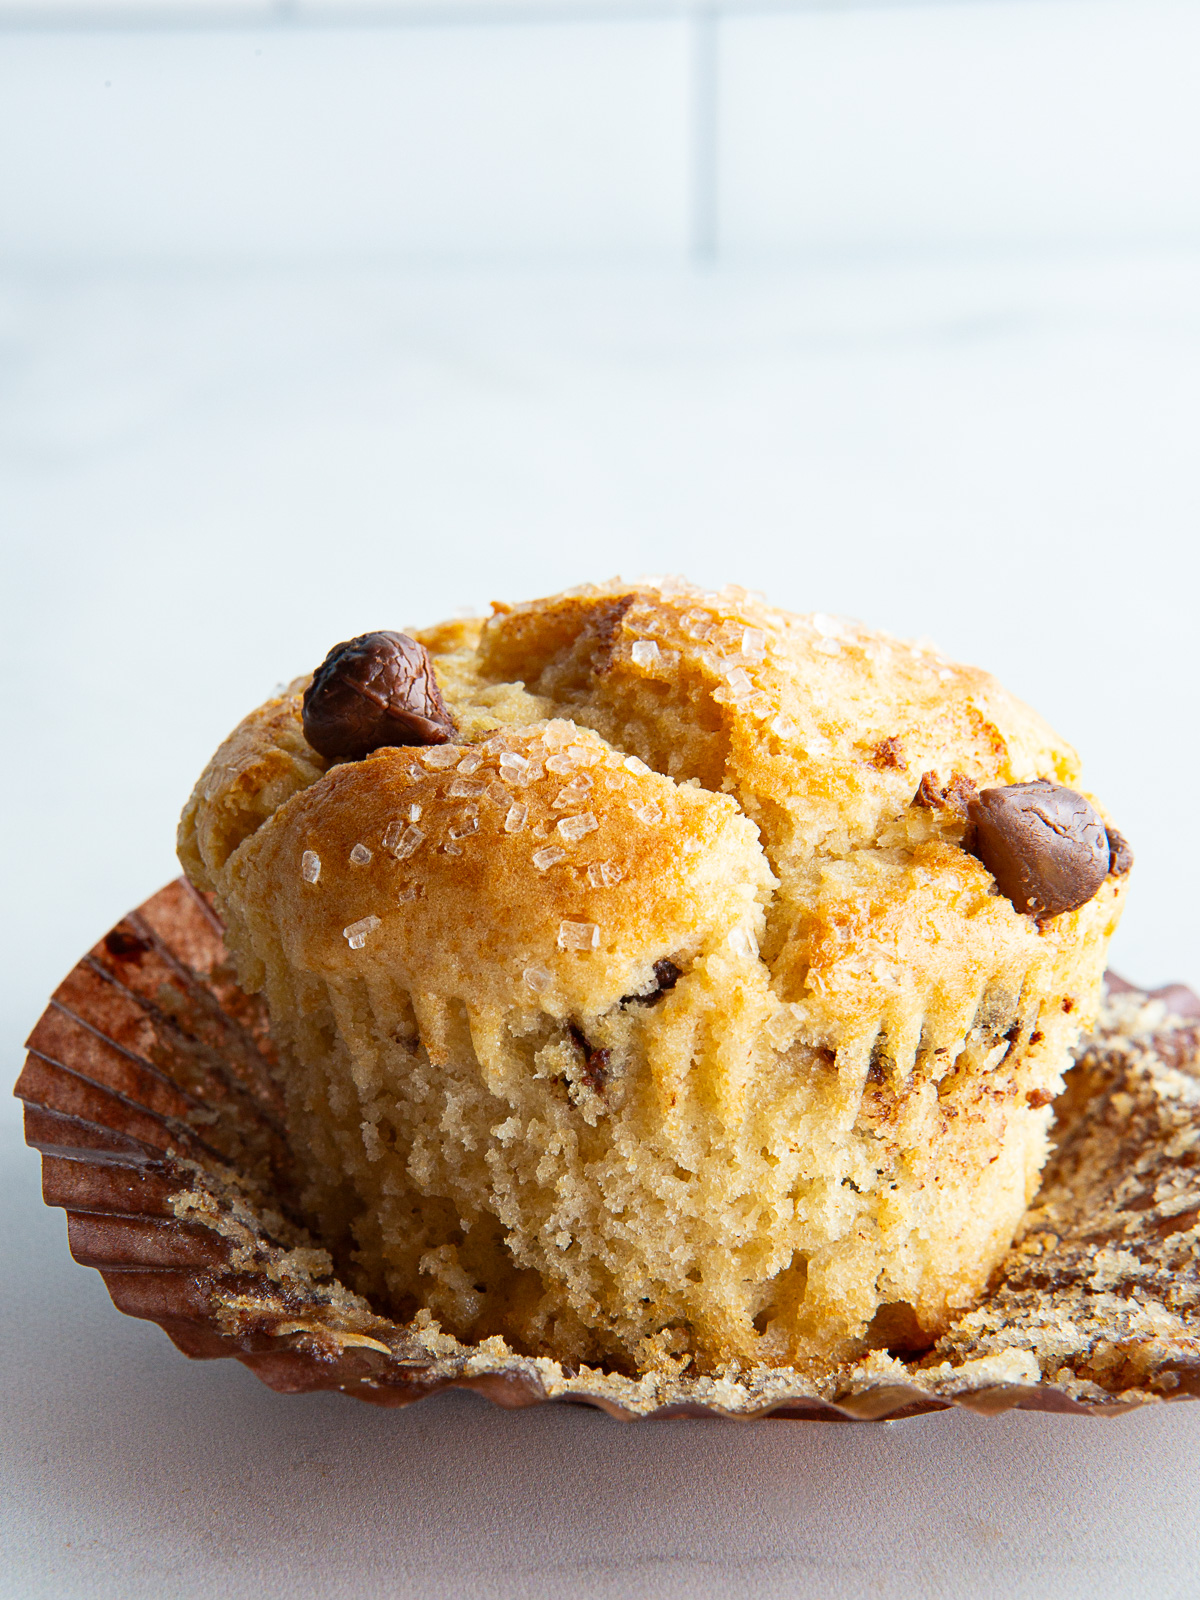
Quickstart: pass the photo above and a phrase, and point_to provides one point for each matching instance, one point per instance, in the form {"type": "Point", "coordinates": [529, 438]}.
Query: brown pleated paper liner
{"type": "Point", "coordinates": [151, 1091]}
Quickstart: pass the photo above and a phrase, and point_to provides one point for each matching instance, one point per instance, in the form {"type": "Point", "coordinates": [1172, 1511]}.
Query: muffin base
{"type": "Point", "coordinates": [150, 1090]}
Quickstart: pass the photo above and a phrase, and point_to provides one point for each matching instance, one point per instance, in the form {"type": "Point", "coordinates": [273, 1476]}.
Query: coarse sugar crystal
{"type": "Point", "coordinates": [578, 936]}
{"type": "Point", "coordinates": [573, 829]}
{"type": "Point", "coordinates": [360, 855]}
{"type": "Point", "coordinates": [742, 942]}
{"type": "Point", "coordinates": [407, 842]}
{"type": "Point", "coordinates": [573, 793]}
{"type": "Point", "coordinates": [356, 933]}
{"type": "Point", "coordinates": [310, 866]}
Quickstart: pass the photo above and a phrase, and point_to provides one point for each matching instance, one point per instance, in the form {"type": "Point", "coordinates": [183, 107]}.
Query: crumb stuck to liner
{"type": "Point", "coordinates": [150, 1091]}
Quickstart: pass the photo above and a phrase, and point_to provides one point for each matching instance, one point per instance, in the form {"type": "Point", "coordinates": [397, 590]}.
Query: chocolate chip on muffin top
{"type": "Point", "coordinates": [1044, 844]}
{"type": "Point", "coordinates": [371, 692]}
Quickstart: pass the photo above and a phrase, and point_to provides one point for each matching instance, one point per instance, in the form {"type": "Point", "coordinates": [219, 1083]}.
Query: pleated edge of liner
{"type": "Point", "coordinates": [217, 1309]}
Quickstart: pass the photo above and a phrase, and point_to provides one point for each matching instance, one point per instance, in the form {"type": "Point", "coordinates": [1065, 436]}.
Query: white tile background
{"type": "Point", "coordinates": [307, 329]}
{"type": "Point", "coordinates": [939, 126]}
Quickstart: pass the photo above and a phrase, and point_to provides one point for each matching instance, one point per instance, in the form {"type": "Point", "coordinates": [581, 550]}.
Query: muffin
{"type": "Point", "coordinates": [662, 980]}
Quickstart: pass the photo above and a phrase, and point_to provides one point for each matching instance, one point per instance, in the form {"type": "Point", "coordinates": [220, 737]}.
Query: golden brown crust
{"type": "Point", "coordinates": [840, 1105]}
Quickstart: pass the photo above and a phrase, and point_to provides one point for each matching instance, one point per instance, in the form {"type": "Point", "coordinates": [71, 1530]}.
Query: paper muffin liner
{"type": "Point", "coordinates": [151, 1090]}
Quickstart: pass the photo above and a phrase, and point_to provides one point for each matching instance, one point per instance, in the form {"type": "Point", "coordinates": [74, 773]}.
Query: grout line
{"type": "Point", "coordinates": [58, 16]}
{"type": "Point", "coordinates": [704, 144]}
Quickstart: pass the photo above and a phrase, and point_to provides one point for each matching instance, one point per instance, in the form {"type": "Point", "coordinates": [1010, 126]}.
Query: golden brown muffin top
{"type": "Point", "coordinates": [648, 772]}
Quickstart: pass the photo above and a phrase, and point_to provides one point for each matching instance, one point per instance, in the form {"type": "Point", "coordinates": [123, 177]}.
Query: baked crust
{"type": "Point", "coordinates": [827, 1129]}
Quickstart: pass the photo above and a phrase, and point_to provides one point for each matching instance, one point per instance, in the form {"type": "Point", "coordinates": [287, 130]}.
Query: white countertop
{"type": "Point", "coordinates": [207, 478]}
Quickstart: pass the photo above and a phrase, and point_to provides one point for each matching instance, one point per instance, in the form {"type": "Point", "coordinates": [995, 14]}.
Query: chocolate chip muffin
{"type": "Point", "coordinates": [662, 979]}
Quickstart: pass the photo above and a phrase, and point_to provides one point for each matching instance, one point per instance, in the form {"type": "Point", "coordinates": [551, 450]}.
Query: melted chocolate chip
{"type": "Point", "coordinates": [666, 976]}
{"type": "Point", "coordinates": [1044, 844]}
{"type": "Point", "coordinates": [374, 691]}
{"type": "Point", "coordinates": [1120, 856]}
{"type": "Point", "coordinates": [595, 1060]}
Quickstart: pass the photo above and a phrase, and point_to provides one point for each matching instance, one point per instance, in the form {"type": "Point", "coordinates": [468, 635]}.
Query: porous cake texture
{"type": "Point", "coordinates": [661, 1018]}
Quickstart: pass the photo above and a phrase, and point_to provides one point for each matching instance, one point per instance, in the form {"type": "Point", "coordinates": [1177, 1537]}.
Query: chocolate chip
{"type": "Point", "coordinates": [666, 976]}
{"type": "Point", "coordinates": [1119, 854]}
{"type": "Point", "coordinates": [1044, 844]}
{"type": "Point", "coordinates": [595, 1060]}
{"type": "Point", "coordinates": [374, 691]}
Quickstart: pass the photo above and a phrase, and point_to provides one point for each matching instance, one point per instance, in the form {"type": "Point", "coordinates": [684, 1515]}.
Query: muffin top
{"type": "Point", "coordinates": [645, 774]}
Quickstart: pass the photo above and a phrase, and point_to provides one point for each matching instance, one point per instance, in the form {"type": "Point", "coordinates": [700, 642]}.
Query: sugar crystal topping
{"type": "Point", "coordinates": [574, 828]}
{"type": "Point", "coordinates": [539, 979]}
{"type": "Point", "coordinates": [649, 813]}
{"type": "Point", "coordinates": [515, 820]}
{"type": "Point", "coordinates": [441, 755]}
{"type": "Point", "coordinates": [742, 942]}
{"type": "Point", "coordinates": [578, 936]}
{"type": "Point", "coordinates": [462, 788]}
{"type": "Point", "coordinates": [549, 857]}
{"type": "Point", "coordinates": [360, 855]}
{"type": "Point", "coordinates": [573, 793]}
{"type": "Point", "coordinates": [356, 933]}
{"type": "Point", "coordinates": [310, 866]}
{"type": "Point", "coordinates": [754, 644]}
{"type": "Point", "coordinates": [645, 652]}
{"type": "Point", "coordinates": [603, 874]}
{"type": "Point", "coordinates": [465, 824]}
{"type": "Point", "coordinates": [406, 843]}
{"type": "Point", "coordinates": [469, 763]}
